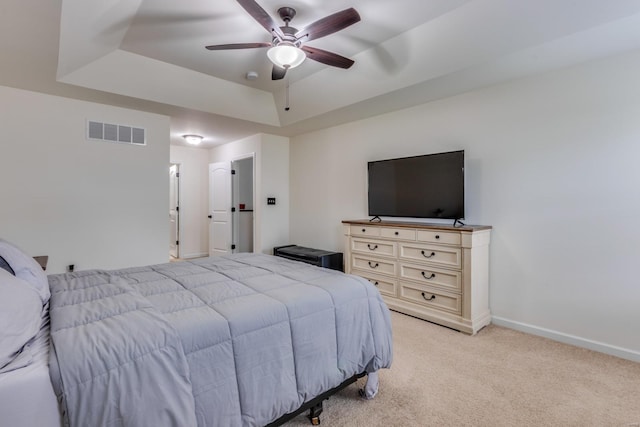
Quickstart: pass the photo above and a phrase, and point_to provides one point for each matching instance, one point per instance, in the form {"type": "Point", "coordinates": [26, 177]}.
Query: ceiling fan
{"type": "Point", "coordinates": [287, 49]}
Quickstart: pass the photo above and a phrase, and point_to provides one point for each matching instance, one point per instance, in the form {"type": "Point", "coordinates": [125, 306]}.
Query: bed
{"type": "Point", "coordinates": [239, 340]}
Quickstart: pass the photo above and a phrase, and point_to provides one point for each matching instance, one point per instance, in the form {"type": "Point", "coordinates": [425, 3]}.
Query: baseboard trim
{"type": "Point", "coordinates": [612, 350]}
{"type": "Point", "coordinates": [191, 256]}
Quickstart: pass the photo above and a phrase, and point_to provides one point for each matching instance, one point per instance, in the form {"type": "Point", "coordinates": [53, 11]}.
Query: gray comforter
{"type": "Point", "coordinates": [238, 340]}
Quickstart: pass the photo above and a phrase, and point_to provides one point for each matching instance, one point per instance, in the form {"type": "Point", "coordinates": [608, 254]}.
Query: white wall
{"type": "Point", "coordinates": [272, 180]}
{"type": "Point", "coordinates": [194, 200]}
{"type": "Point", "coordinates": [551, 165]}
{"type": "Point", "coordinates": [89, 203]}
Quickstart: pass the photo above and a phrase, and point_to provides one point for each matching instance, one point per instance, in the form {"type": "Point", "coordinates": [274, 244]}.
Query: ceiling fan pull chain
{"type": "Point", "coordinates": [286, 94]}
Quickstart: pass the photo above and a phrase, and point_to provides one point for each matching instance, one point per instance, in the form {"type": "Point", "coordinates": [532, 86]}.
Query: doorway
{"type": "Point", "coordinates": [242, 195]}
{"type": "Point", "coordinates": [231, 206]}
{"type": "Point", "coordinates": [174, 211]}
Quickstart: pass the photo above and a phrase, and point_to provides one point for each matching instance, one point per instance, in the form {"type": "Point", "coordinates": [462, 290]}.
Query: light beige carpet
{"type": "Point", "coordinates": [499, 377]}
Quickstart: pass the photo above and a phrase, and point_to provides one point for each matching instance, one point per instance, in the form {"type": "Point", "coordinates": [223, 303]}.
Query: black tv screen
{"type": "Point", "coordinates": [429, 186]}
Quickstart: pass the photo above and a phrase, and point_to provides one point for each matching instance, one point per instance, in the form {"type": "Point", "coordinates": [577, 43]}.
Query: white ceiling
{"type": "Point", "coordinates": [149, 54]}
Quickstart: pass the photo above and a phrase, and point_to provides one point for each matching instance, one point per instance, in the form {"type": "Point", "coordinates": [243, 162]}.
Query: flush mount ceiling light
{"type": "Point", "coordinates": [286, 55]}
{"type": "Point", "coordinates": [193, 139]}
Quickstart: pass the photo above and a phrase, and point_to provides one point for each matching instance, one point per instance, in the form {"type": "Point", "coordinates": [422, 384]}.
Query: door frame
{"type": "Point", "coordinates": [180, 208]}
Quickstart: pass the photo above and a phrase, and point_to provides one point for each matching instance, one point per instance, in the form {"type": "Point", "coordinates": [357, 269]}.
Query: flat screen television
{"type": "Point", "coordinates": [429, 186]}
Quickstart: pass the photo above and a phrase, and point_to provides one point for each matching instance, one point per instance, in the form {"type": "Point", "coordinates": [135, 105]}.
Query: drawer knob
{"type": "Point", "coordinates": [397, 233]}
{"type": "Point", "coordinates": [432, 297]}
{"type": "Point", "coordinates": [428, 256]}
{"type": "Point", "coordinates": [375, 283]}
{"type": "Point", "coordinates": [372, 248]}
{"type": "Point", "coordinates": [374, 265]}
{"type": "Point", "coordinates": [437, 236]}
{"type": "Point", "coordinates": [364, 230]}
{"type": "Point", "coordinates": [430, 277]}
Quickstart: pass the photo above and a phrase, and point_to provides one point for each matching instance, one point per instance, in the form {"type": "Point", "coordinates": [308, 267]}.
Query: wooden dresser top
{"type": "Point", "coordinates": [427, 226]}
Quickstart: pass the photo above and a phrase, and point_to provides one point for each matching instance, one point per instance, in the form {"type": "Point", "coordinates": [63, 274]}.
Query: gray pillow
{"type": "Point", "coordinates": [26, 268]}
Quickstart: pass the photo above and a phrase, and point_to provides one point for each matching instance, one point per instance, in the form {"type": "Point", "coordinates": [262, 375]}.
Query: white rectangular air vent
{"type": "Point", "coordinates": [116, 133]}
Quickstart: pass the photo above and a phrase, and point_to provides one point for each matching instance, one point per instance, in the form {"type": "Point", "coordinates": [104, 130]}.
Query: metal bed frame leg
{"type": "Point", "coordinates": [314, 414]}
{"type": "Point", "coordinates": [314, 405]}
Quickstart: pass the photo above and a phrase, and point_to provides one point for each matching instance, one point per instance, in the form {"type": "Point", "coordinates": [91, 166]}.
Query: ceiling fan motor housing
{"type": "Point", "coordinates": [288, 36]}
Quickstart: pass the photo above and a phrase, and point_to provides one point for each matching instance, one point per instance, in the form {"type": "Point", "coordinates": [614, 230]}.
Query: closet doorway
{"type": "Point", "coordinates": [243, 203]}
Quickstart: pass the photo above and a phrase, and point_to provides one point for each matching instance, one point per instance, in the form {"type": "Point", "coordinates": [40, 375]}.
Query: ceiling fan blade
{"type": "Point", "coordinates": [278, 73]}
{"type": "Point", "coordinates": [329, 24]}
{"type": "Point", "coordinates": [237, 46]}
{"type": "Point", "coordinates": [328, 58]}
{"type": "Point", "coordinates": [260, 15]}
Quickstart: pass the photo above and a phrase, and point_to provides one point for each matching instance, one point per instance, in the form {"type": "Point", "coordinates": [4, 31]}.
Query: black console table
{"type": "Point", "coordinates": [319, 257]}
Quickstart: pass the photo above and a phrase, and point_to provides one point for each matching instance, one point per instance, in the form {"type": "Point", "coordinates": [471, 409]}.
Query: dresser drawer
{"type": "Point", "coordinates": [444, 237]}
{"type": "Point", "coordinates": [374, 247]}
{"type": "Point", "coordinates": [385, 285]}
{"type": "Point", "coordinates": [365, 230]}
{"type": "Point", "coordinates": [373, 265]}
{"type": "Point", "coordinates": [430, 297]}
{"type": "Point", "coordinates": [433, 254]}
{"type": "Point", "coordinates": [398, 233]}
{"type": "Point", "coordinates": [450, 280]}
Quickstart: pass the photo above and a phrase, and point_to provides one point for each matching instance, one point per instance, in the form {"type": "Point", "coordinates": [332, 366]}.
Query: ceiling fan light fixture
{"type": "Point", "coordinates": [193, 139]}
{"type": "Point", "coordinates": [286, 55]}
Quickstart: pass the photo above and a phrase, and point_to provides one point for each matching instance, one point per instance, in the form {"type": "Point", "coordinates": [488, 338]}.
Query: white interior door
{"type": "Point", "coordinates": [174, 201]}
{"type": "Point", "coordinates": [220, 222]}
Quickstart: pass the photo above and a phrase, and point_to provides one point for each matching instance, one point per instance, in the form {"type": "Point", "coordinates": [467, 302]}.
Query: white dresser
{"type": "Point", "coordinates": [435, 272]}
